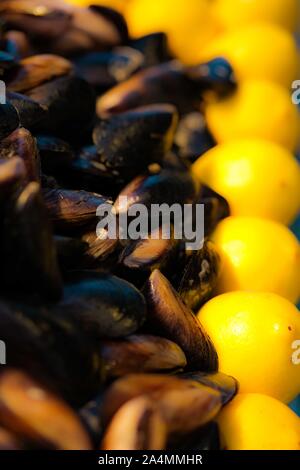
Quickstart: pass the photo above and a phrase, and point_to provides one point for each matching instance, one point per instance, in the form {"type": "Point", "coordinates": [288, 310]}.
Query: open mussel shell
{"type": "Point", "coordinates": [69, 209]}
{"type": "Point", "coordinates": [105, 69]}
{"type": "Point", "coordinates": [137, 425]}
{"type": "Point", "coordinates": [154, 48]}
{"type": "Point", "coordinates": [174, 320]}
{"type": "Point", "coordinates": [200, 275]}
{"type": "Point", "coordinates": [166, 186]}
{"type": "Point", "coordinates": [192, 138]}
{"type": "Point", "coordinates": [104, 305]}
{"type": "Point", "coordinates": [53, 350]}
{"type": "Point", "coordinates": [29, 261]}
{"type": "Point", "coordinates": [36, 70]}
{"type": "Point", "coordinates": [9, 119]}
{"type": "Point", "coordinates": [21, 143]}
{"type": "Point", "coordinates": [30, 112]}
{"type": "Point", "coordinates": [35, 414]}
{"type": "Point", "coordinates": [141, 353]}
{"type": "Point", "coordinates": [70, 102]}
{"type": "Point", "coordinates": [183, 406]}
{"type": "Point", "coordinates": [129, 142]}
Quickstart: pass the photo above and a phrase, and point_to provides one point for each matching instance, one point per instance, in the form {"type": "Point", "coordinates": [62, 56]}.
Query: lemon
{"type": "Point", "coordinates": [257, 178]}
{"type": "Point", "coordinates": [238, 13]}
{"type": "Point", "coordinates": [253, 421]}
{"type": "Point", "coordinates": [257, 109]}
{"type": "Point", "coordinates": [254, 334]}
{"type": "Point", "coordinates": [259, 255]}
{"type": "Point", "coordinates": [189, 25]}
{"type": "Point", "coordinates": [251, 52]}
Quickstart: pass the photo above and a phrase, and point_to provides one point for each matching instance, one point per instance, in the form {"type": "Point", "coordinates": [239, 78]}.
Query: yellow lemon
{"type": "Point", "coordinates": [258, 51]}
{"type": "Point", "coordinates": [254, 334]}
{"type": "Point", "coordinates": [253, 421]}
{"type": "Point", "coordinates": [259, 255]}
{"type": "Point", "coordinates": [237, 13]}
{"type": "Point", "coordinates": [257, 178]}
{"type": "Point", "coordinates": [189, 25]}
{"type": "Point", "coordinates": [257, 109]}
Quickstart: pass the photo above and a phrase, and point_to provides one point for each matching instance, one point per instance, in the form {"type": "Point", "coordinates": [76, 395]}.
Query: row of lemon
{"type": "Point", "coordinates": [253, 323]}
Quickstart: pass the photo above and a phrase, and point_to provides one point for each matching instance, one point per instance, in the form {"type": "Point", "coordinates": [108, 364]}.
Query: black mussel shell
{"type": "Point", "coordinates": [225, 384]}
{"type": "Point", "coordinates": [22, 144]}
{"type": "Point", "coordinates": [216, 208]}
{"type": "Point", "coordinates": [28, 254]}
{"type": "Point", "coordinates": [164, 83]}
{"type": "Point", "coordinates": [90, 415]}
{"type": "Point", "coordinates": [56, 154]}
{"type": "Point", "coordinates": [192, 138]}
{"type": "Point", "coordinates": [167, 186]}
{"type": "Point", "coordinates": [199, 276]}
{"type": "Point", "coordinates": [174, 320]}
{"type": "Point", "coordinates": [52, 350]}
{"type": "Point", "coordinates": [141, 353]}
{"type": "Point", "coordinates": [154, 48]}
{"type": "Point", "coordinates": [104, 305]}
{"type": "Point", "coordinates": [105, 69]}
{"type": "Point", "coordinates": [129, 142]}
{"type": "Point", "coordinates": [30, 112]}
{"type": "Point", "coordinates": [216, 75]}
{"type": "Point", "coordinates": [101, 250]}
{"type": "Point", "coordinates": [71, 105]}
{"type": "Point", "coordinates": [17, 44]}
{"type": "Point", "coordinates": [70, 252]}
{"type": "Point", "coordinates": [69, 209]}
{"type": "Point", "coordinates": [9, 119]}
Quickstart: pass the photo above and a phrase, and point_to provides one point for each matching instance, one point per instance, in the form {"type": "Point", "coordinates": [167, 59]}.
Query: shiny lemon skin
{"type": "Point", "coordinates": [253, 333]}
{"type": "Point", "coordinates": [253, 421]}
{"type": "Point", "coordinates": [233, 14]}
{"type": "Point", "coordinates": [256, 177]}
{"type": "Point", "coordinates": [258, 254]}
{"type": "Point", "coordinates": [188, 24]}
{"type": "Point", "coordinates": [256, 109]}
{"type": "Point", "coordinates": [251, 52]}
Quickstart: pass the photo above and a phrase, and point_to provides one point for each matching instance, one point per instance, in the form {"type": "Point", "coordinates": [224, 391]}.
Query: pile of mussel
{"type": "Point", "coordinates": [103, 347]}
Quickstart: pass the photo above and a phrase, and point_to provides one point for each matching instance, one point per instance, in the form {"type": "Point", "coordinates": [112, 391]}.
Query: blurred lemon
{"type": "Point", "coordinates": [256, 177]}
{"type": "Point", "coordinates": [257, 422]}
{"type": "Point", "coordinates": [259, 109]}
{"type": "Point", "coordinates": [238, 13]}
{"type": "Point", "coordinates": [259, 255]}
{"type": "Point", "coordinates": [258, 51]}
{"type": "Point", "coordinates": [253, 333]}
{"type": "Point", "coordinates": [189, 25]}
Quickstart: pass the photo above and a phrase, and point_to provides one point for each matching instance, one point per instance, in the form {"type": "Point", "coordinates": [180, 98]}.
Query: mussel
{"type": "Point", "coordinates": [225, 384]}
{"type": "Point", "coordinates": [141, 353]}
{"type": "Point", "coordinates": [30, 112]}
{"type": "Point", "coordinates": [9, 119]}
{"type": "Point", "coordinates": [35, 414]}
{"type": "Point", "coordinates": [129, 142]}
{"type": "Point", "coordinates": [21, 143]}
{"type": "Point", "coordinates": [175, 321]}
